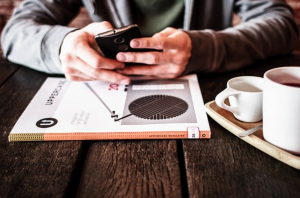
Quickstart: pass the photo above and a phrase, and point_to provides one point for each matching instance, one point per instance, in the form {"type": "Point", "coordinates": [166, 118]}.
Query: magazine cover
{"type": "Point", "coordinates": [145, 109]}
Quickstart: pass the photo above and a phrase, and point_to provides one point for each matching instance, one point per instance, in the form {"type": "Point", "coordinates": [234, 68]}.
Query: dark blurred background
{"type": "Point", "coordinates": [7, 6]}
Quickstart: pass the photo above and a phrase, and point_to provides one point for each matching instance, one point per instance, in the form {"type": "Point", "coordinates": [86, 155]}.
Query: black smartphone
{"type": "Point", "coordinates": [118, 40]}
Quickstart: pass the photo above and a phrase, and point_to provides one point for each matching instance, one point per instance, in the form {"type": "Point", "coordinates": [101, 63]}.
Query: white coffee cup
{"type": "Point", "coordinates": [281, 107]}
{"type": "Point", "coordinates": [245, 97]}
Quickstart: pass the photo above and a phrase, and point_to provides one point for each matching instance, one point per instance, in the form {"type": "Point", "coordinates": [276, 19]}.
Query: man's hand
{"type": "Point", "coordinates": [176, 49]}
{"type": "Point", "coordinates": [81, 60]}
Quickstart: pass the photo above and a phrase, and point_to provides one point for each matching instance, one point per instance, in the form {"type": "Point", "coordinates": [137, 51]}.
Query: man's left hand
{"type": "Point", "coordinates": [176, 49]}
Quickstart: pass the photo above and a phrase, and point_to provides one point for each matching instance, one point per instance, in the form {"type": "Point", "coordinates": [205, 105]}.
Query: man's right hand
{"type": "Point", "coordinates": [81, 60]}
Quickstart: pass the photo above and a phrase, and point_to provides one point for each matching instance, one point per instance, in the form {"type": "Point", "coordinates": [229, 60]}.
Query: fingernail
{"type": "Point", "coordinates": [121, 57]}
{"type": "Point", "coordinates": [125, 82]}
{"type": "Point", "coordinates": [134, 43]}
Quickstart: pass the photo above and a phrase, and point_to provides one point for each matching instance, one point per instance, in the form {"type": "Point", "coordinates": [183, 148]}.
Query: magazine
{"type": "Point", "coordinates": [98, 110]}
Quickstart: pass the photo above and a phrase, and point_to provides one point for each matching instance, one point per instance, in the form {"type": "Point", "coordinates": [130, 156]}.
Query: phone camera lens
{"type": "Point", "coordinates": [119, 40]}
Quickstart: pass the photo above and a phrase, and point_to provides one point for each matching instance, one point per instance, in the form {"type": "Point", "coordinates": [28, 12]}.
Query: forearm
{"type": "Point", "coordinates": [33, 35]}
{"type": "Point", "coordinates": [267, 29]}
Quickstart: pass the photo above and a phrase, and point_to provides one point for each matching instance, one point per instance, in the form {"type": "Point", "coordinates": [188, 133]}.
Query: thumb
{"type": "Point", "coordinates": [98, 27]}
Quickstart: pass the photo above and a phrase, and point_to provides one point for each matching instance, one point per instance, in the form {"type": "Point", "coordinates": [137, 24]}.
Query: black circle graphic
{"type": "Point", "coordinates": [158, 107]}
{"type": "Point", "coordinates": [46, 122]}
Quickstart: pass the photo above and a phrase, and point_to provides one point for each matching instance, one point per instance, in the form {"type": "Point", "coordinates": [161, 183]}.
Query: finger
{"type": "Point", "coordinates": [98, 27]}
{"type": "Point", "coordinates": [138, 70]}
{"type": "Point", "coordinates": [153, 70]}
{"type": "Point", "coordinates": [161, 43]}
{"type": "Point", "coordinates": [92, 58]}
{"type": "Point", "coordinates": [76, 78]}
{"type": "Point", "coordinates": [165, 33]}
{"type": "Point", "coordinates": [101, 74]}
{"type": "Point", "coordinates": [76, 67]}
{"type": "Point", "coordinates": [70, 71]}
{"type": "Point", "coordinates": [151, 58]}
{"type": "Point", "coordinates": [148, 70]}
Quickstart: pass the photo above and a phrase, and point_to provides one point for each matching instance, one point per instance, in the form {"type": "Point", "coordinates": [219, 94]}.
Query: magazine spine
{"type": "Point", "coordinates": [26, 137]}
{"type": "Point", "coordinates": [105, 136]}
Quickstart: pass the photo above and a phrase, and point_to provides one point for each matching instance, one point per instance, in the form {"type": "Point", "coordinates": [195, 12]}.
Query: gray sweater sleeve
{"type": "Point", "coordinates": [267, 29]}
{"type": "Point", "coordinates": [33, 35]}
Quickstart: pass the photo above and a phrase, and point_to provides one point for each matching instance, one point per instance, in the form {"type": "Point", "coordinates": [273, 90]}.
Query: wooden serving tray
{"type": "Point", "coordinates": [229, 122]}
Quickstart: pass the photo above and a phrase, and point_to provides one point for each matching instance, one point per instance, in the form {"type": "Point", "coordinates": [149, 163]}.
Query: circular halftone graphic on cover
{"type": "Point", "coordinates": [158, 107]}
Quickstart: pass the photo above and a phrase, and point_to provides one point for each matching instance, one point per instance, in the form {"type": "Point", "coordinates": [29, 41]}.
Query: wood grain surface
{"type": "Point", "coordinates": [223, 166]}
{"type": "Point", "coordinates": [131, 169]}
{"type": "Point", "coordinates": [7, 69]}
{"type": "Point", "coordinates": [33, 169]}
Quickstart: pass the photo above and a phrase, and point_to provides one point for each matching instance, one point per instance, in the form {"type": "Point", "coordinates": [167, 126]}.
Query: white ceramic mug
{"type": "Point", "coordinates": [245, 98]}
{"type": "Point", "coordinates": [281, 107]}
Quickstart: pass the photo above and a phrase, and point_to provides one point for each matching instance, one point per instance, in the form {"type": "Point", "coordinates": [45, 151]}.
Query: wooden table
{"type": "Point", "coordinates": [224, 166]}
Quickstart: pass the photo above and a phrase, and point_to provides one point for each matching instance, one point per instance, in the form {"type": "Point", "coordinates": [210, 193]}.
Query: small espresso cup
{"type": "Point", "coordinates": [245, 97]}
{"type": "Point", "coordinates": [281, 107]}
